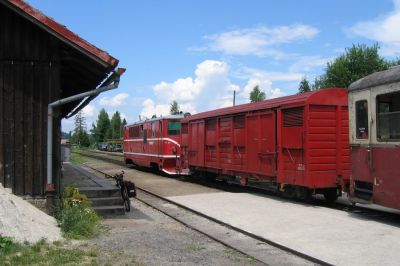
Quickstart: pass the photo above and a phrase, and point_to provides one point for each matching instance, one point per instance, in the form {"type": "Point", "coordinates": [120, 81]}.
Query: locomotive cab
{"type": "Point", "coordinates": [154, 143]}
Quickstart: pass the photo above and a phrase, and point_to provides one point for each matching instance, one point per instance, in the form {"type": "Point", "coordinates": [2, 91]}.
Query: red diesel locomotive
{"type": "Point", "coordinates": [296, 145]}
{"type": "Point", "coordinates": [374, 105]}
{"type": "Point", "coordinates": [154, 143]}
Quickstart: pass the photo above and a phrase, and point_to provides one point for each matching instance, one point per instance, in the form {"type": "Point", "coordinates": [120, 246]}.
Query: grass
{"type": "Point", "coordinates": [42, 253]}
{"type": "Point", "coordinates": [76, 158]}
{"type": "Point", "coordinates": [195, 248]}
{"type": "Point", "coordinates": [234, 254]}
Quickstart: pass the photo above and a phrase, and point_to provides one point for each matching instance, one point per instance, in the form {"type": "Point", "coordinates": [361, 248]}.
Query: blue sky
{"type": "Point", "coordinates": [198, 52]}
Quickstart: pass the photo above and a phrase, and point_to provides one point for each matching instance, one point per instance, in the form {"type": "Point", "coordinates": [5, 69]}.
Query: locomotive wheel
{"type": "Point", "coordinates": [330, 195]}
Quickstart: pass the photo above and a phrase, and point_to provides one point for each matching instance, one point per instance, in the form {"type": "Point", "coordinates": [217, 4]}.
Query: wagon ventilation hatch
{"type": "Point", "coordinates": [293, 117]}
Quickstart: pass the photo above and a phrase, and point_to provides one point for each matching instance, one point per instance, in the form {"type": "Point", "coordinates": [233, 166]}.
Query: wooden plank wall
{"type": "Point", "coordinates": [29, 81]}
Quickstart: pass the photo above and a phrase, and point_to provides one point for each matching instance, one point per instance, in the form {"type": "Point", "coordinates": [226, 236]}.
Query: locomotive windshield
{"type": "Point", "coordinates": [173, 128]}
{"type": "Point", "coordinates": [388, 116]}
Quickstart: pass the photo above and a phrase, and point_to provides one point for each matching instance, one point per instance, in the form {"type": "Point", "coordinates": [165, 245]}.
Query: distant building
{"type": "Point", "coordinates": [41, 61]}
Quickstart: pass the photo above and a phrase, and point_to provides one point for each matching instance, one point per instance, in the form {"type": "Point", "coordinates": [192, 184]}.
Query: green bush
{"type": "Point", "coordinates": [6, 244]}
{"type": "Point", "coordinates": [79, 221]}
{"type": "Point", "coordinates": [75, 217]}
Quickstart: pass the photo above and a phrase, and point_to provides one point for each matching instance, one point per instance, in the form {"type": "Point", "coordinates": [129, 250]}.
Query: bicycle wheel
{"type": "Point", "coordinates": [125, 198]}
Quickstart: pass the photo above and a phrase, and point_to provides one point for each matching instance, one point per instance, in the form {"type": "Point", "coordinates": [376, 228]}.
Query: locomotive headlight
{"type": "Point", "coordinates": [173, 150]}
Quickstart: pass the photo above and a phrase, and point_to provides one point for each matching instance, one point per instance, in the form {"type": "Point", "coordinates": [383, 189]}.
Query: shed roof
{"type": "Point", "coordinates": [82, 65]}
{"type": "Point", "coordinates": [62, 32]}
{"type": "Point", "coordinates": [378, 78]}
{"type": "Point", "coordinates": [322, 97]}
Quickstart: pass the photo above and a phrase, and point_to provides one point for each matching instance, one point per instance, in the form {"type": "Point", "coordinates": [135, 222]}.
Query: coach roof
{"type": "Point", "coordinates": [378, 78]}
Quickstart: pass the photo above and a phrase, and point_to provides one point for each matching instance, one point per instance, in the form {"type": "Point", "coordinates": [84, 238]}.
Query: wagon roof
{"type": "Point", "coordinates": [156, 119]}
{"type": "Point", "coordinates": [391, 75]}
{"type": "Point", "coordinates": [322, 97]}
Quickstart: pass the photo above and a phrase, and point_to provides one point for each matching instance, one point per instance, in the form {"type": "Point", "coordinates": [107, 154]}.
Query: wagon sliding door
{"type": "Point", "coordinates": [261, 143]}
{"type": "Point", "coordinates": [196, 144]}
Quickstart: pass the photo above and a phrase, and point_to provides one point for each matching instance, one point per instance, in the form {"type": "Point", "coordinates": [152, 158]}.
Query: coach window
{"type": "Point", "coordinates": [388, 116]}
{"type": "Point", "coordinates": [362, 119]}
{"type": "Point", "coordinates": [173, 128]}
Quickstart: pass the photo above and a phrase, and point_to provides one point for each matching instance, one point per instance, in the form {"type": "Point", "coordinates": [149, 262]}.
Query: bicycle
{"type": "Point", "coordinates": [128, 189]}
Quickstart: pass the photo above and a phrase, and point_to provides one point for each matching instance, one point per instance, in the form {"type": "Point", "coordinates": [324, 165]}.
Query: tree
{"type": "Point", "coordinates": [304, 86]}
{"type": "Point", "coordinates": [115, 125]}
{"type": "Point", "coordinates": [80, 122]}
{"type": "Point", "coordinates": [80, 136]}
{"type": "Point", "coordinates": [256, 95]}
{"type": "Point", "coordinates": [102, 128]}
{"type": "Point", "coordinates": [124, 123]}
{"type": "Point", "coordinates": [358, 61]}
{"type": "Point", "coordinates": [174, 108]}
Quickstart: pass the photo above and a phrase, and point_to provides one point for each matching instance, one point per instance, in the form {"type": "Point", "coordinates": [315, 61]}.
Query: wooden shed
{"type": "Point", "coordinates": [41, 61]}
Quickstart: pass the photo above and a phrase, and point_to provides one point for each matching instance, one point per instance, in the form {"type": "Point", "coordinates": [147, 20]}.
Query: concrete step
{"type": "Point", "coordinates": [100, 192]}
{"type": "Point", "coordinates": [106, 201]}
{"type": "Point", "coordinates": [111, 210]}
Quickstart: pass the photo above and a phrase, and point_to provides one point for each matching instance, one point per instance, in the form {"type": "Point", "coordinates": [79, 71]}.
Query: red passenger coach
{"type": "Point", "coordinates": [296, 145]}
{"type": "Point", "coordinates": [374, 105]}
{"type": "Point", "coordinates": [154, 143]}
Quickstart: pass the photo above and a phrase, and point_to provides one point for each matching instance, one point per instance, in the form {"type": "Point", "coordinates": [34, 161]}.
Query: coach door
{"type": "Point", "coordinates": [196, 144]}
{"type": "Point", "coordinates": [261, 143]}
{"type": "Point", "coordinates": [360, 141]}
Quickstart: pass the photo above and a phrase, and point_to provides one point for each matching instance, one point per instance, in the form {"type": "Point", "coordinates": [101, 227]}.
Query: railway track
{"type": "Point", "coordinates": [259, 248]}
{"type": "Point", "coordinates": [358, 211]}
{"type": "Point", "coordinates": [377, 214]}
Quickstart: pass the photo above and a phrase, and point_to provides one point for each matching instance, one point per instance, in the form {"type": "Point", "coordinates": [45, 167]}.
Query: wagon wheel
{"type": "Point", "coordinates": [330, 195]}
{"type": "Point", "coordinates": [304, 194]}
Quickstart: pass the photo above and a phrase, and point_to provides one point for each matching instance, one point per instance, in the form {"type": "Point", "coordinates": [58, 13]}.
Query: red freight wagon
{"type": "Point", "coordinates": [154, 143]}
{"type": "Point", "coordinates": [374, 105]}
{"type": "Point", "coordinates": [297, 145]}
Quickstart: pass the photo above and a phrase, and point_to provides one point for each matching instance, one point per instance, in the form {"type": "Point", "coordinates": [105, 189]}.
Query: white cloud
{"type": "Point", "coordinates": [212, 87]}
{"type": "Point", "coordinates": [384, 29]}
{"type": "Point", "coordinates": [205, 91]}
{"type": "Point", "coordinates": [117, 100]}
{"type": "Point", "coordinates": [266, 79]}
{"type": "Point", "coordinates": [307, 63]}
{"type": "Point", "coordinates": [271, 75]}
{"type": "Point", "coordinates": [259, 41]}
{"type": "Point", "coordinates": [150, 109]}
{"type": "Point", "coordinates": [89, 111]}
{"type": "Point", "coordinates": [264, 84]}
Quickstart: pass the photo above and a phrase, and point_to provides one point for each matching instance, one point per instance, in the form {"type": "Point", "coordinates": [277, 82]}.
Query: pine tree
{"type": "Point", "coordinates": [174, 108]}
{"type": "Point", "coordinates": [304, 86]}
{"type": "Point", "coordinates": [103, 130]}
{"type": "Point", "coordinates": [80, 136]}
{"type": "Point", "coordinates": [256, 95]}
{"type": "Point", "coordinates": [115, 125]}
